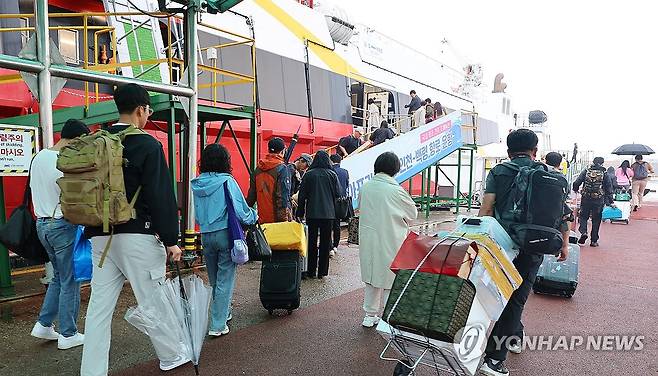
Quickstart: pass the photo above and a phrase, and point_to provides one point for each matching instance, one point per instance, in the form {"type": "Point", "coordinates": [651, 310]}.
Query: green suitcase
{"type": "Point", "coordinates": [433, 305]}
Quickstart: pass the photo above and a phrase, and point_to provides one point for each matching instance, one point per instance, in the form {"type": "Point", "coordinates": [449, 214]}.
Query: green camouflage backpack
{"type": "Point", "coordinates": [92, 188]}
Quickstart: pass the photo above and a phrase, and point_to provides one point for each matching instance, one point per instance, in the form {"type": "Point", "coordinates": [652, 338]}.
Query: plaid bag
{"type": "Point", "coordinates": [432, 305]}
{"type": "Point", "coordinates": [353, 230]}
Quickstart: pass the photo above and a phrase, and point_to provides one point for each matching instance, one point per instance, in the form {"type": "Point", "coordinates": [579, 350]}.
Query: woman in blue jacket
{"type": "Point", "coordinates": [212, 216]}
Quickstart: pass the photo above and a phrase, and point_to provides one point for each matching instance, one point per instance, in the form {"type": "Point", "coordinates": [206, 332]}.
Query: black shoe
{"type": "Point", "coordinates": [305, 275]}
{"type": "Point", "coordinates": [321, 277]}
{"type": "Point", "coordinates": [635, 208]}
{"type": "Point", "coordinates": [491, 369]}
{"type": "Point", "coordinates": [594, 244]}
{"type": "Point", "coordinates": [583, 239]}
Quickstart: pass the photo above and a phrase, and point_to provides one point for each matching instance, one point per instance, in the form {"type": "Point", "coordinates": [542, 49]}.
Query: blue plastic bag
{"type": "Point", "coordinates": [239, 252]}
{"type": "Point", "coordinates": [611, 213]}
{"type": "Point", "coordinates": [82, 262]}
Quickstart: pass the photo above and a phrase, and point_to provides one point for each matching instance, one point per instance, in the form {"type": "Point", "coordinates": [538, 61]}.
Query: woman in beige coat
{"type": "Point", "coordinates": [386, 210]}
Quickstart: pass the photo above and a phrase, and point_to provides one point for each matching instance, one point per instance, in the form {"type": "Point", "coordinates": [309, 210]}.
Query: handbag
{"type": "Point", "coordinates": [344, 208]}
{"type": "Point", "coordinates": [257, 245]}
{"type": "Point", "coordinates": [446, 255]}
{"type": "Point", "coordinates": [20, 232]}
{"type": "Point", "coordinates": [353, 230]}
{"type": "Point", "coordinates": [82, 260]}
{"type": "Point", "coordinates": [239, 252]}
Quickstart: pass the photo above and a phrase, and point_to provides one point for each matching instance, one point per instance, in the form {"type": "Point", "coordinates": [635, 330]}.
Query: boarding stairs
{"type": "Point", "coordinates": [418, 149]}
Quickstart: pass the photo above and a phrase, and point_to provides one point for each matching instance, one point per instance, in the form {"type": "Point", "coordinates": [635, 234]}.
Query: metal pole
{"type": "Point", "coordinates": [16, 63]}
{"type": "Point", "coordinates": [422, 189]}
{"type": "Point", "coordinates": [171, 145]}
{"type": "Point", "coordinates": [6, 287]}
{"type": "Point", "coordinates": [470, 180]}
{"type": "Point", "coordinates": [44, 77]}
{"type": "Point", "coordinates": [111, 79]}
{"type": "Point", "coordinates": [204, 135]}
{"type": "Point", "coordinates": [459, 179]}
{"type": "Point", "coordinates": [191, 52]}
{"type": "Point", "coordinates": [429, 198]}
{"type": "Point", "coordinates": [253, 145]}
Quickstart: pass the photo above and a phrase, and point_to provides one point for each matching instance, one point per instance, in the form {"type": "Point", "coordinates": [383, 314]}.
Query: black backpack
{"type": "Point", "coordinates": [593, 184]}
{"type": "Point", "coordinates": [534, 208]}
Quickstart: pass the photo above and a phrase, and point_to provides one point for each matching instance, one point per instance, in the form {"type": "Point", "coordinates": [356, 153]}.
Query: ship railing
{"type": "Point", "coordinates": [175, 64]}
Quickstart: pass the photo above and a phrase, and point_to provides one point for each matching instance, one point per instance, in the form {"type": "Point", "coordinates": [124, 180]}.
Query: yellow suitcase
{"type": "Point", "coordinates": [286, 236]}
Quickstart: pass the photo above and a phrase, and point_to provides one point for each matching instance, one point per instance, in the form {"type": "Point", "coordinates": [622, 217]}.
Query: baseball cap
{"type": "Point", "coordinates": [358, 129]}
{"type": "Point", "coordinates": [74, 128]}
{"type": "Point", "coordinates": [306, 158]}
{"type": "Point", "coordinates": [276, 145]}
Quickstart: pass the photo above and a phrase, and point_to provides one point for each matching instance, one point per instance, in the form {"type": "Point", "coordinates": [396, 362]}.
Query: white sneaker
{"type": "Point", "coordinates": [217, 333]}
{"type": "Point", "coordinates": [65, 343]}
{"type": "Point", "coordinates": [169, 365]}
{"type": "Point", "coordinates": [44, 332]}
{"type": "Point", "coordinates": [516, 347]}
{"type": "Point", "coordinates": [370, 321]}
{"type": "Point", "coordinates": [332, 253]}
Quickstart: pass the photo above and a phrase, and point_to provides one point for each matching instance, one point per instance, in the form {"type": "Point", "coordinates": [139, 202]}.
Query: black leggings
{"type": "Point", "coordinates": [324, 228]}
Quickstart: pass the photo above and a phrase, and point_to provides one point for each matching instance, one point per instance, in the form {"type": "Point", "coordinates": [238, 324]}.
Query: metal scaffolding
{"type": "Point", "coordinates": [166, 108]}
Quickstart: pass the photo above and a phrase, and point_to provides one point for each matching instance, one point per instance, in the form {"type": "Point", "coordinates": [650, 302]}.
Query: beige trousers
{"type": "Point", "coordinates": [638, 191]}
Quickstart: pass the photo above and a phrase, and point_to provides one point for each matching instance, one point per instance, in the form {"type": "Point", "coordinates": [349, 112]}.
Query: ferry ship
{"type": "Point", "coordinates": [313, 71]}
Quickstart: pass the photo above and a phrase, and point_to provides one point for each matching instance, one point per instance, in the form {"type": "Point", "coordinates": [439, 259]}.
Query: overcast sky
{"type": "Point", "coordinates": [592, 66]}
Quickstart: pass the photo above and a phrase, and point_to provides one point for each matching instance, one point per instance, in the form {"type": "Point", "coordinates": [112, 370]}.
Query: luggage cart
{"type": "Point", "coordinates": [423, 351]}
{"type": "Point", "coordinates": [463, 358]}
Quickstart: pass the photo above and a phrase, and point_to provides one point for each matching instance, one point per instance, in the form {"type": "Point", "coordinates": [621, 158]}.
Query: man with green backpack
{"type": "Point", "coordinates": [596, 189]}
{"type": "Point", "coordinates": [116, 183]}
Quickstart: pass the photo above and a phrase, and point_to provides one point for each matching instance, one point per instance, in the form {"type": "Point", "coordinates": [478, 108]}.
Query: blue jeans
{"type": "Point", "coordinates": [63, 294]}
{"type": "Point", "coordinates": [221, 275]}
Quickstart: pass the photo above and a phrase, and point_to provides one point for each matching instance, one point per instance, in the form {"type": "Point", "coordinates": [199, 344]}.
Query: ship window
{"type": "Point", "coordinates": [25, 34]}
{"type": "Point", "coordinates": [68, 45]}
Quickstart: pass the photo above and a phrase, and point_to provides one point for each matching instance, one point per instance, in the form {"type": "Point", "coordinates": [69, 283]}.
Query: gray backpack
{"type": "Point", "coordinates": [640, 170]}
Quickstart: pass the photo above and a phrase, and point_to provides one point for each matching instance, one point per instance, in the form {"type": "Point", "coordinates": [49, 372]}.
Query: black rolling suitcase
{"type": "Point", "coordinates": [280, 279]}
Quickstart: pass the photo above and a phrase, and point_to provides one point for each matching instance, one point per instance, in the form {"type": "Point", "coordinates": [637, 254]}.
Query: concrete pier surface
{"type": "Point", "coordinates": [617, 296]}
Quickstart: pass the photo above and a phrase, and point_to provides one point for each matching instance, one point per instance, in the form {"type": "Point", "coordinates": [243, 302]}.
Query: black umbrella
{"type": "Point", "coordinates": [633, 149]}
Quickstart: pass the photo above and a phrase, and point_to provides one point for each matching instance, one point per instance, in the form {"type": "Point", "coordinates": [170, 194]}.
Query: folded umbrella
{"type": "Point", "coordinates": [158, 318]}
{"type": "Point", "coordinates": [633, 149]}
{"type": "Point", "coordinates": [175, 318]}
{"type": "Point", "coordinates": [195, 303]}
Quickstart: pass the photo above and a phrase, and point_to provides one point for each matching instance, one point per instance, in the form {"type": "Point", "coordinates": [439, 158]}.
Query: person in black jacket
{"type": "Point", "coordinates": [382, 134]}
{"type": "Point", "coordinates": [317, 195]}
{"type": "Point", "coordinates": [596, 191]}
{"type": "Point", "coordinates": [344, 181]}
{"type": "Point", "coordinates": [138, 249]}
{"type": "Point", "coordinates": [415, 102]}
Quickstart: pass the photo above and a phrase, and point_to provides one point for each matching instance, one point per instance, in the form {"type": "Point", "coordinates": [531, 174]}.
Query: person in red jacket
{"type": "Point", "coordinates": [270, 185]}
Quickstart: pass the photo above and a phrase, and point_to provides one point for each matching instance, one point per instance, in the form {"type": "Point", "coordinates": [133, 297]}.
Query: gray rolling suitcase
{"type": "Point", "coordinates": [559, 278]}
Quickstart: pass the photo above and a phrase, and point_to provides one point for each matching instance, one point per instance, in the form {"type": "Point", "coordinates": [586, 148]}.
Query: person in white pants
{"type": "Point", "coordinates": [138, 249]}
{"type": "Point", "coordinates": [385, 211]}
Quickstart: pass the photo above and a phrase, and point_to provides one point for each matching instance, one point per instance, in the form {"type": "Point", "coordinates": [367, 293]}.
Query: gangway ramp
{"type": "Point", "coordinates": [417, 149]}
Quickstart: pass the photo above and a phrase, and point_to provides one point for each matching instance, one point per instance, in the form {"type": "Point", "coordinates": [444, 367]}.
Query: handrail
{"type": "Point", "coordinates": [146, 65]}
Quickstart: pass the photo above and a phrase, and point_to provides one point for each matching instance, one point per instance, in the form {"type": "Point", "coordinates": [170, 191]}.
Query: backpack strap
{"type": "Point", "coordinates": [132, 130]}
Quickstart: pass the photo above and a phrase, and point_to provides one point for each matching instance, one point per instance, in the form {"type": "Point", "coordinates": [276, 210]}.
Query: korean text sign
{"type": "Point", "coordinates": [417, 150]}
{"type": "Point", "coordinates": [17, 147]}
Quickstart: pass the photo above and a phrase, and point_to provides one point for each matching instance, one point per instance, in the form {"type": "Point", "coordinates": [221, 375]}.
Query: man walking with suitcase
{"type": "Point", "coordinates": [596, 192]}
{"type": "Point", "coordinates": [522, 150]}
